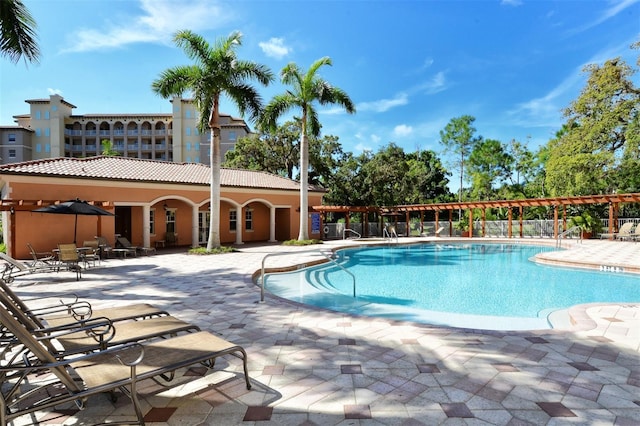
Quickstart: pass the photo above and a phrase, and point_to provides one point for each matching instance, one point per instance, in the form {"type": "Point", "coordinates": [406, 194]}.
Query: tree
{"type": "Point", "coordinates": [458, 138]}
{"type": "Point", "coordinates": [306, 89]}
{"type": "Point", "coordinates": [217, 72]}
{"type": "Point", "coordinates": [107, 148]}
{"type": "Point", "coordinates": [18, 32]}
{"type": "Point", "coordinates": [275, 153]}
{"type": "Point", "coordinates": [488, 163]}
{"type": "Point", "coordinates": [598, 146]}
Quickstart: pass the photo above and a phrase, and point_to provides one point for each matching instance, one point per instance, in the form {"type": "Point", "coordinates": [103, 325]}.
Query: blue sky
{"type": "Point", "coordinates": [409, 66]}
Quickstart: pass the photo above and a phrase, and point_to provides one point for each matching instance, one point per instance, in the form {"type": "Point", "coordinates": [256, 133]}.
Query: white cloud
{"type": "Point", "coordinates": [402, 130]}
{"type": "Point", "coordinates": [383, 105]}
{"type": "Point", "coordinates": [437, 84]}
{"type": "Point", "coordinates": [54, 91]}
{"type": "Point", "coordinates": [275, 48]}
{"type": "Point", "coordinates": [157, 23]}
{"type": "Point", "coordinates": [511, 2]}
{"type": "Point", "coordinates": [612, 11]}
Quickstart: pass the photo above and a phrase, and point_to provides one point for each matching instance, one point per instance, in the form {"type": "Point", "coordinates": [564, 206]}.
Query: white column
{"type": "Point", "coordinates": [239, 223]}
{"type": "Point", "coordinates": [194, 227]}
{"type": "Point", "coordinates": [146, 226]}
{"type": "Point", "coordinates": [272, 224]}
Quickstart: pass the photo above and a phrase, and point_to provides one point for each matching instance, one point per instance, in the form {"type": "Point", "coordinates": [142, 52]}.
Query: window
{"type": "Point", "coordinates": [12, 153]}
{"type": "Point", "coordinates": [188, 146]}
{"type": "Point", "coordinates": [248, 220]}
{"type": "Point", "coordinates": [196, 159]}
{"type": "Point", "coordinates": [38, 147]}
{"type": "Point", "coordinates": [187, 113]}
{"type": "Point", "coordinates": [195, 131]}
{"type": "Point", "coordinates": [232, 136]}
{"type": "Point", "coordinates": [188, 160]}
{"type": "Point", "coordinates": [46, 115]}
{"type": "Point", "coordinates": [170, 217]}
{"type": "Point", "coordinates": [47, 147]}
{"type": "Point", "coordinates": [37, 115]}
{"type": "Point", "coordinates": [47, 132]}
{"type": "Point", "coordinates": [152, 221]}
{"type": "Point", "coordinates": [38, 132]}
{"type": "Point", "coordinates": [12, 137]}
{"type": "Point", "coordinates": [233, 220]}
{"type": "Point", "coordinates": [196, 146]}
{"type": "Point", "coordinates": [187, 131]}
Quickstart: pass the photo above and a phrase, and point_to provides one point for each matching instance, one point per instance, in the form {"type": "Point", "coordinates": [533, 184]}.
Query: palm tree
{"type": "Point", "coordinates": [17, 32]}
{"type": "Point", "coordinates": [306, 89]}
{"type": "Point", "coordinates": [217, 72]}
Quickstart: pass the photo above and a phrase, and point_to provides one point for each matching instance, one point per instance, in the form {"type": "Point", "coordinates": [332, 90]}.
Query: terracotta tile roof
{"type": "Point", "coordinates": [135, 169]}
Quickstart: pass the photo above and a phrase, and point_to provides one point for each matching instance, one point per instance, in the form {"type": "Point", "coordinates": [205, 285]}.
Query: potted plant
{"type": "Point", "coordinates": [588, 224]}
{"type": "Point", "coordinates": [463, 227]}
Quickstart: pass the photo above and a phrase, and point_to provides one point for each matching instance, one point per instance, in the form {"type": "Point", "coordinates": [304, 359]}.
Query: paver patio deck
{"type": "Point", "coordinates": [314, 367]}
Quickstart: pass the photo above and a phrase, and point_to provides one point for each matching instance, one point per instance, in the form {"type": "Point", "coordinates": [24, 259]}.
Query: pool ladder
{"type": "Point", "coordinates": [389, 233]}
{"type": "Point", "coordinates": [569, 231]}
{"type": "Point", "coordinates": [329, 258]}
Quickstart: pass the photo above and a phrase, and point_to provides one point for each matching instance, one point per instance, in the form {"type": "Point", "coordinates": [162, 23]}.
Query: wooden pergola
{"type": "Point", "coordinates": [557, 203]}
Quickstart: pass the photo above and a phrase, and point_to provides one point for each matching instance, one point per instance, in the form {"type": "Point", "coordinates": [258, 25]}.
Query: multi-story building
{"type": "Point", "coordinates": [51, 130]}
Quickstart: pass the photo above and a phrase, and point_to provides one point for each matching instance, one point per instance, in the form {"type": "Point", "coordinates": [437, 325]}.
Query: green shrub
{"type": "Point", "coordinates": [204, 251]}
{"type": "Point", "coordinates": [300, 242]}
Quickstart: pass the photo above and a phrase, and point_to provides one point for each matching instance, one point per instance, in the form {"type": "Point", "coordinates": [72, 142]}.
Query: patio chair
{"type": "Point", "coordinates": [105, 247]}
{"type": "Point", "coordinates": [14, 268]}
{"type": "Point", "coordinates": [62, 309]}
{"type": "Point", "coordinates": [95, 333]}
{"type": "Point", "coordinates": [144, 250]}
{"type": "Point", "coordinates": [41, 258]}
{"type": "Point", "coordinates": [125, 243]}
{"type": "Point", "coordinates": [624, 230]}
{"type": "Point", "coordinates": [68, 255]}
{"type": "Point", "coordinates": [103, 371]}
{"type": "Point", "coordinates": [633, 234]}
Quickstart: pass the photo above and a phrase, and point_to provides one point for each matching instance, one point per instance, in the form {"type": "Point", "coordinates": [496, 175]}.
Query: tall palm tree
{"type": "Point", "coordinates": [17, 32]}
{"type": "Point", "coordinates": [217, 72]}
{"type": "Point", "coordinates": [306, 88]}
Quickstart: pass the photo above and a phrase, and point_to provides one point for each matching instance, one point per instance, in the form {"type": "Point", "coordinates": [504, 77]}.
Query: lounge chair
{"type": "Point", "coordinates": [103, 371]}
{"type": "Point", "coordinates": [625, 229]}
{"type": "Point", "coordinates": [97, 332]}
{"type": "Point", "coordinates": [41, 258]}
{"type": "Point", "coordinates": [633, 234]}
{"type": "Point", "coordinates": [125, 243]}
{"type": "Point", "coordinates": [67, 308]}
{"type": "Point", "coordinates": [14, 268]}
{"type": "Point", "coordinates": [104, 246]}
{"type": "Point", "coordinates": [68, 255]}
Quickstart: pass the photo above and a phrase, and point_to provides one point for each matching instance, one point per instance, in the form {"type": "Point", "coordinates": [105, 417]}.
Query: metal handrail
{"type": "Point", "coordinates": [344, 232]}
{"type": "Point", "coordinates": [326, 256]}
{"type": "Point", "coordinates": [568, 231]}
{"type": "Point", "coordinates": [390, 235]}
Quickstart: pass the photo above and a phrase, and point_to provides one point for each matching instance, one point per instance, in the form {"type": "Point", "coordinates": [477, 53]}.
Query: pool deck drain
{"type": "Point", "coordinates": [314, 367]}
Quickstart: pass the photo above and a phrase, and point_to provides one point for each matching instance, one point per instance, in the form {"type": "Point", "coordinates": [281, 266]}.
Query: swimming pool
{"type": "Point", "coordinates": [487, 286]}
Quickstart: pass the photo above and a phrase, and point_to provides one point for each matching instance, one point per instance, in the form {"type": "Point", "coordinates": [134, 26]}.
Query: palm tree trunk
{"type": "Point", "coordinates": [214, 196]}
{"type": "Point", "coordinates": [304, 176]}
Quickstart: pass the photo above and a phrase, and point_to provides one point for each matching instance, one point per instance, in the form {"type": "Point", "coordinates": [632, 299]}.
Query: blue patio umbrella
{"type": "Point", "coordinates": [75, 207]}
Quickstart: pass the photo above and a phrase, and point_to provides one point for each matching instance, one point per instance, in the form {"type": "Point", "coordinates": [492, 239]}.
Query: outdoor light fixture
{"type": "Point", "coordinates": [165, 207]}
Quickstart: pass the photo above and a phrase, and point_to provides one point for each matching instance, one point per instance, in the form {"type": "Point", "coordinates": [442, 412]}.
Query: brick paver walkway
{"type": "Point", "coordinates": [314, 367]}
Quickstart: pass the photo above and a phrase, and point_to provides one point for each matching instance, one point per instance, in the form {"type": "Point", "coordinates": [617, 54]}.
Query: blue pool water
{"type": "Point", "coordinates": [489, 286]}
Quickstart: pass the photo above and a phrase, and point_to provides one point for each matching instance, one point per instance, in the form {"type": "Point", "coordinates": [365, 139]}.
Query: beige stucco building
{"type": "Point", "coordinates": [51, 130]}
{"type": "Point", "coordinates": [149, 198]}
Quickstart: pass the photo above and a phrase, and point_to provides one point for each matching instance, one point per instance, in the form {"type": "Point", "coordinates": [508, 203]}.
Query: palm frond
{"type": "Point", "coordinates": [194, 45]}
{"type": "Point", "coordinates": [18, 35]}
